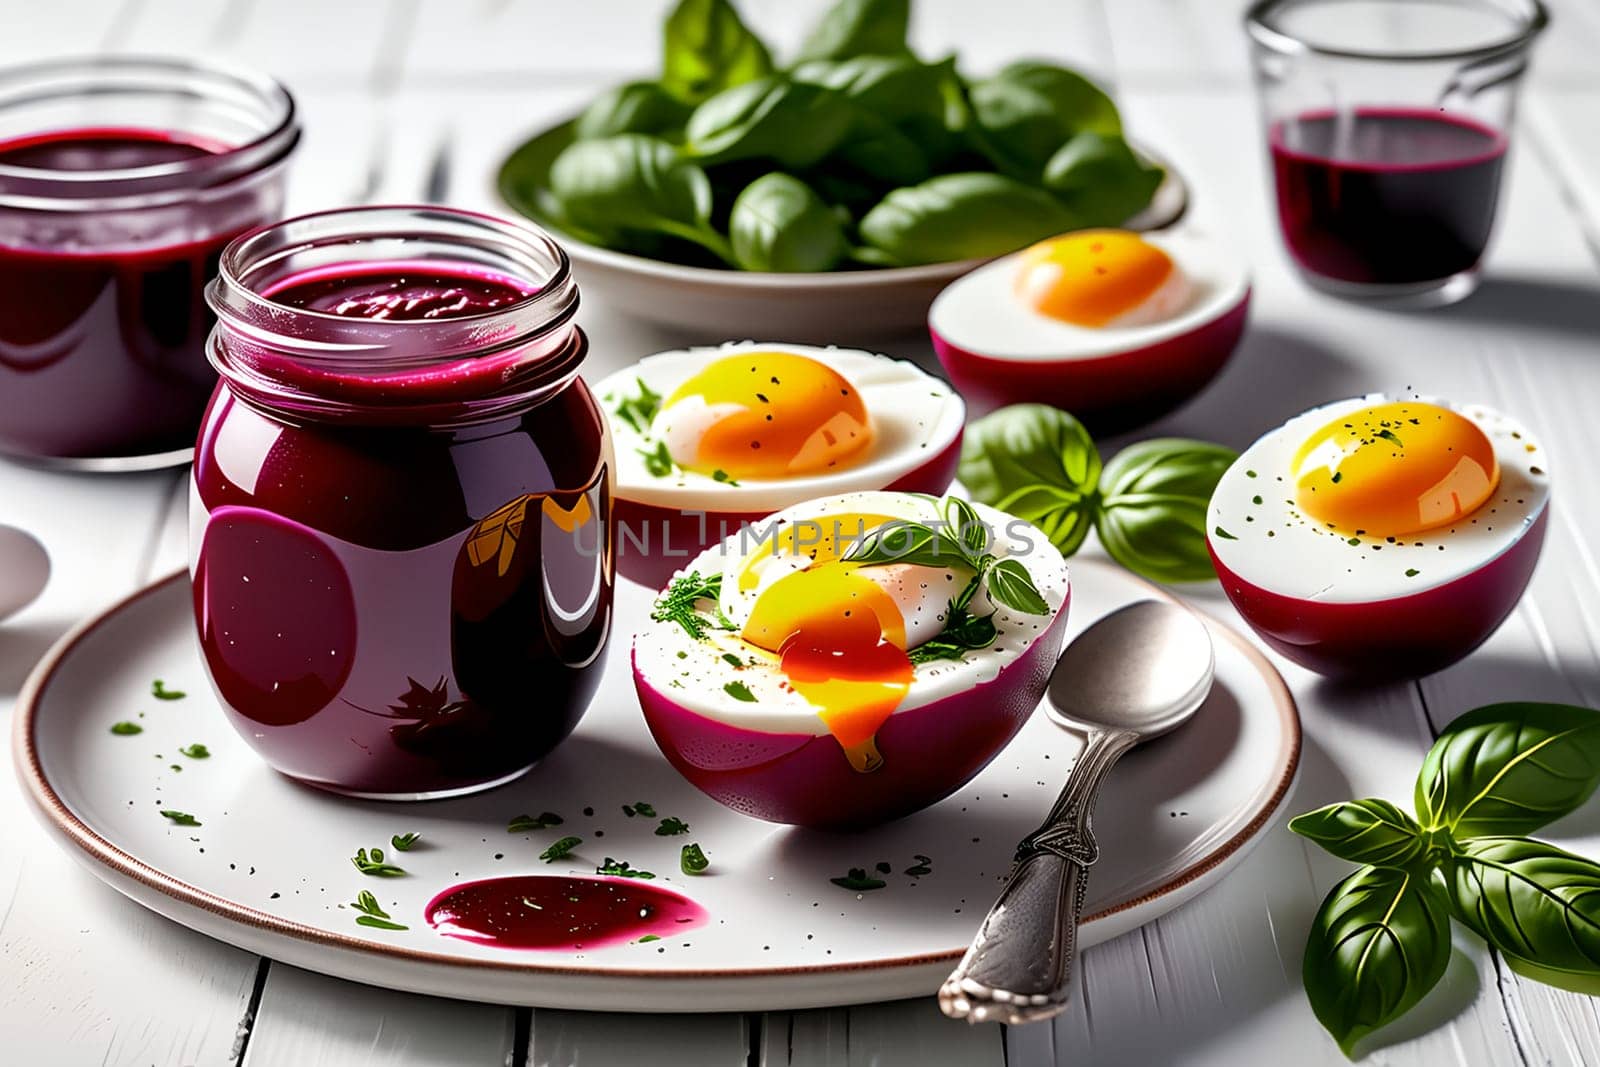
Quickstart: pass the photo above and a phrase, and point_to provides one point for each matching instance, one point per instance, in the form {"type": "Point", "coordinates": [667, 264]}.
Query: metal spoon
{"type": "Point", "coordinates": [24, 569]}
{"type": "Point", "coordinates": [1139, 672]}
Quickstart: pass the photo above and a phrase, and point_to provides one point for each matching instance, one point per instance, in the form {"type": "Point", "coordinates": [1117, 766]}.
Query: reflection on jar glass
{"type": "Point", "coordinates": [401, 514]}
{"type": "Point", "coordinates": [120, 182]}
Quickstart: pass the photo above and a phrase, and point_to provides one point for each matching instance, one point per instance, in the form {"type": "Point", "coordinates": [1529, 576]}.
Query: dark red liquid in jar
{"type": "Point", "coordinates": [403, 609]}
{"type": "Point", "coordinates": [542, 911]}
{"type": "Point", "coordinates": [1386, 196]}
{"type": "Point", "coordinates": [102, 332]}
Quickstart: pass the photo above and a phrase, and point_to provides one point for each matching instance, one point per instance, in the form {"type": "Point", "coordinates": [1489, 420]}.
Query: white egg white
{"type": "Point", "coordinates": [914, 416]}
{"type": "Point", "coordinates": [696, 674]}
{"type": "Point", "coordinates": [1277, 547]}
{"type": "Point", "coordinates": [981, 312]}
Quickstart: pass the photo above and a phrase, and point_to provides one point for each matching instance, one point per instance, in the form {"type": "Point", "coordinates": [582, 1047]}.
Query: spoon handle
{"type": "Point", "coordinates": [1017, 967]}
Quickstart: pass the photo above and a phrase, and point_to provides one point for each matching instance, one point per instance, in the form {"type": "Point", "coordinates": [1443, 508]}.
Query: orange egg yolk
{"type": "Point", "coordinates": [840, 641]}
{"type": "Point", "coordinates": [786, 415]}
{"type": "Point", "coordinates": [1396, 468]}
{"type": "Point", "coordinates": [1091, 277]}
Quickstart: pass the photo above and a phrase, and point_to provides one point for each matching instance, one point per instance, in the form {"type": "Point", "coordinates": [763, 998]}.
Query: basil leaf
{"type": "Point", "coordinates": [1010, 584]}
{"type": "Point", "coordinates": [908, 542]}
{"type": "Point", "coordinates": [706, 48]}
{"type": "Point", "coordinates": [967, 526]}
{"type": "Point", "coordinates": [1379, 942]}
{"type": "Point", "coordinates": [1534, 902]}
{"type": "Point", "coordinates": [637, 107]}
{"type": "Point", "coordinates": [633, 183]}
{"type": "Point", "coordinates": [902, 104]}
{"type": "Point", "coordinates": [1030, 109]}
{"type": "Point", "coordinates": [1152, 518]}
{"type": "Point", "coordinates": [779, 224]}
{"type": "Point", "coordinates": [794, 124]}
{"type": "Point", "coordinates": [1509, 769]}
{"type": "Point", "coordinates": [1363, 831]}
{"type": "Point", "coordinates": [859, 27]}
{"type": "Point", "coordinates": [1037, 463]}
{"type": "Point", "coordinates": [969, 215]}
{"type": "Point", "coordinates": [881, 153]}
{"type": "Point", "coordinates": [1100, 179]}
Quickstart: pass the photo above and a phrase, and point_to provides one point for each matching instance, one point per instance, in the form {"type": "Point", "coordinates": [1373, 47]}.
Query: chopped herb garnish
{"type": "Point", "coordinates": [657, 460]}
{"type": "Point", "coordinates": [159, 690]}
{"type": "Point", "coordinates": [1412, 572]}
{"type": "Point", "coordinates": [963, 633]}
{"type": "Point", "coordinates": [858, 880]}
{"type": "Point", "coordinates": [180, 818]}
{"type": "Point", "coordinates": [670, 826]}
{"type": "Point", "coordinates": [739, 691]}
{"type": "Point", "coordinates": [1249, 474]}
{"type": "Point", "coordinates": [195, 751]}
{"type": "Point", "coordinates": [647, 938]}
{"type": "Point", "coordinates": [1352, 540]}
{"type": "Point", "coordinates": [720, 475]}
{"type": "Point", "coordinates": [921, 867]}
{"type": "Point", "coordinates": [372, 863]}
{"type": "Point", "coordinates": [1389, 435]}
{"type": "Point", "coordinates": [692, 859]}
{"type": "Point", "coordinates": [680, 604]}
{"type": "Point", "coordinates": [126, 729]}
{"type": "Point", "coordinates": [372, 914]}
{"type": "Point", "coordinates": [730, 658]}
{"type": "Point", "coordinates": [621, 869]}
{"type": "Point", "coordinates": [1008, 580]}
{"type": "Point", "coordinates": [1337, 478]}
{"type": "Point", "coordinates": [639, 808]}
{"type": "Point", "coordinates": [523, 824]}
{"type": "Point", "coordinates": [405, 842]}
{"type": "Point", "coordinates": [1224, 534]}
{"type": "Point", "coordinates": [561, 849]}
{"type": "Point", "coordinates": [639, 411]}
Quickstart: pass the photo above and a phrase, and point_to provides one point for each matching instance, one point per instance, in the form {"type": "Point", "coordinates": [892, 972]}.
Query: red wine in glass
{"type": "Point", "coordinates": [1386, 196]}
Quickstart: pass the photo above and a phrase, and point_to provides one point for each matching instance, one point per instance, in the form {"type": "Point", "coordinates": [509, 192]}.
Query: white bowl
{"type": "Point", "coordinates": [833, 307]}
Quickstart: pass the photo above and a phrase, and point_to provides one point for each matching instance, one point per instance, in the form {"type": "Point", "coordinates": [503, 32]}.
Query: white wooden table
{"type": "Point", "coordinates": [398, 95]}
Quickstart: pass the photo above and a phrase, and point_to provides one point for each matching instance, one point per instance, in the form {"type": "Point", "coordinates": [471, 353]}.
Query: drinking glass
{"type": "Point", "coordinates": [1387, 122]}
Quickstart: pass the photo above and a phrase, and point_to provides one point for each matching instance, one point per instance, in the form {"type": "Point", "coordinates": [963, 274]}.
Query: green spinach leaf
{"type": "Point", "coordinates": [779, 224]}
{"type": "Point", "coordinates": [631, 183]}
{"type": "Point", "coordinates": [1152, 517]}
{"type": "Point", "coordinates": [1100, 179]}
{"type": "Point", "coordinates": [637, 107]}
{"type": "Point", "coordinates": [1038, 463]}
{"type": "Point", "coordinates": [1025, 113]}
{"type": "Point", "coordinates": [1509, 769]}
{"type": "Point", "coordinates": [859, 27]}
{"type": "Point", "coordinates": [1364, 831]}
{"type": "Point", "coordinates": [794, 124]}
{"type": "Point", "coordinates": [971, 215]}
{"type": "Point", "coordinates": [1536, 903]}
{"type": "Point", "coordinates": [1379, 942]}
{"type": "Point", "coordinates": [706, 48]}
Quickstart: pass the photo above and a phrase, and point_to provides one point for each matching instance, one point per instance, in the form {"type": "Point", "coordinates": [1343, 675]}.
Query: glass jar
{"type": "Point", "coordinates": [401, 510]}
{"type": "Point", "coordinates": [121, 180]}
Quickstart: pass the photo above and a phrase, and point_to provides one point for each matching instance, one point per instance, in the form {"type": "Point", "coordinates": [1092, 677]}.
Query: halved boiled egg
{"type": "Point", "coordinates": [1381, 536]}
{"type": "Point", "coordinates": [707, 439]}
{"type": "Point", "coordinates": [791, 680]}
{"type": "Point", "coordinates": [1114, 326]}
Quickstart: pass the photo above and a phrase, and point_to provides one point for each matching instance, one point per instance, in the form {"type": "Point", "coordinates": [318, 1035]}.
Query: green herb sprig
{"type": "Point", "coordinates": [371, 862]}
{"type": "Point", "coordinates": [561, 849]}
{"type": "Point", "coordinates": [372, 914]}
{"type": "Point", "coordinates": [639, 410]}
{"type": "Point", "coordinates": [621, 869]}
{"type": "Point", "coordinates": [1381, 939]}
{"type": "Point", "coordinates": [681, 604]}
{"type": "Point", "coordinates": [1148, 504]}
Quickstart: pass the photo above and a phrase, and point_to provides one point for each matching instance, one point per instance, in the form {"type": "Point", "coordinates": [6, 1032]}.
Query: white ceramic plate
{"type": "Point", "coordinates": [269, 869]}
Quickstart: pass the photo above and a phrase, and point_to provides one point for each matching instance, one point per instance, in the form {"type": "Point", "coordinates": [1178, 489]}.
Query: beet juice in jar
{"type": "Point", "coordinates": [401, 511]}
{"type": "Point", "coordinates": [120, 182]}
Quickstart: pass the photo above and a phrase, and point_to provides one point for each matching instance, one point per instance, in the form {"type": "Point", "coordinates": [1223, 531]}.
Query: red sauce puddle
{"type": "Point", "coordinates": [543, 911]}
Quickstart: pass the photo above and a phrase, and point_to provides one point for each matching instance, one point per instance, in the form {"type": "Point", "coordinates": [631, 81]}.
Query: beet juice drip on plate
{"type": "Point", "coordinates": [403, 578]}
{"type": "Point", "coordinates": [1386, 196]}
{"type": "Point", "coordinates": [540, 911]}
